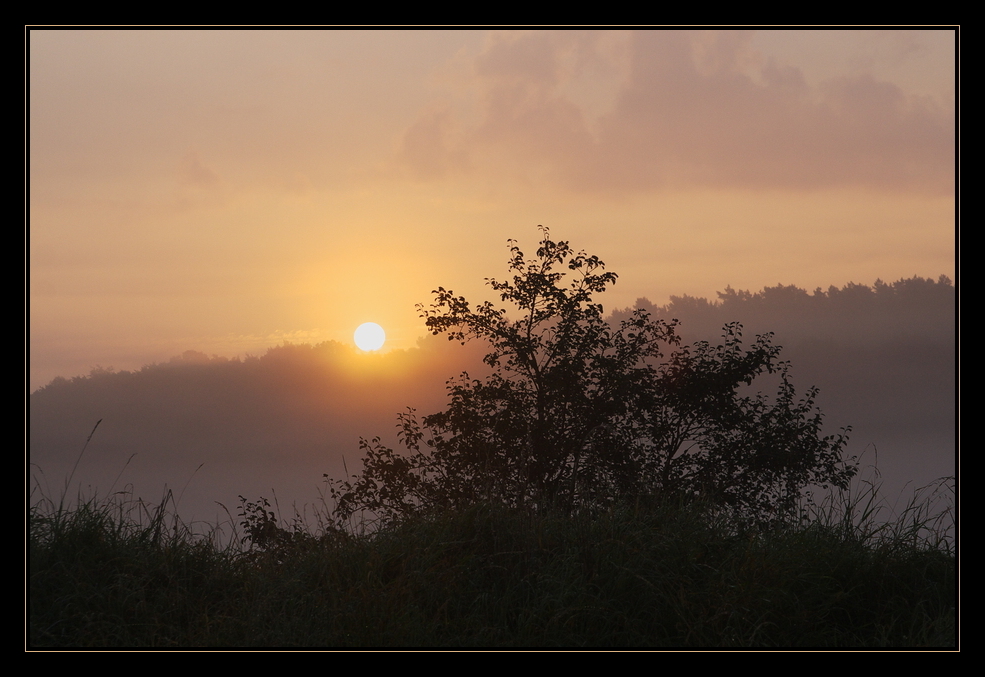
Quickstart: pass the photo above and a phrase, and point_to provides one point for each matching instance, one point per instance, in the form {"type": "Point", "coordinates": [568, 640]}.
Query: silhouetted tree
{"type": "Point", "coordinates": [578, 414]}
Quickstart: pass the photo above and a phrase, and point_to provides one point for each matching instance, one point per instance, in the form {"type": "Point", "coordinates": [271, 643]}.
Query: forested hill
{"type": "Point", "coordinates": [908, 309]}
{"type": "Point", "coordinates": [883, 357]}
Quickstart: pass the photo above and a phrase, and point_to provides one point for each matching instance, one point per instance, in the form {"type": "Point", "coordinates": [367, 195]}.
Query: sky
{"type": "Point", "coordinates": [227, 191]}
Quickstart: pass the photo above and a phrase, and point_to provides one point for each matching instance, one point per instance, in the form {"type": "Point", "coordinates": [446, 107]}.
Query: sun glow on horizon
{"type": "Point", "coordinates": [369, 336]}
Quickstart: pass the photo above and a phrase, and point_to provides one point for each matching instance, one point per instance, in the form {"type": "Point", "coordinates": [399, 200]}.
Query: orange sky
{"type": "Point", "coordinates": [225, 191]}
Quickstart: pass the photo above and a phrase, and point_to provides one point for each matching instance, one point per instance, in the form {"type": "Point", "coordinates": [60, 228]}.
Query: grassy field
{"type": "Point", "coordinates": [116, 573]}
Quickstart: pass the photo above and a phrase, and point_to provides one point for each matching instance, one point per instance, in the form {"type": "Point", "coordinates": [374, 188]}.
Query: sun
{"type": "Point", "coordinates": [370, 336]}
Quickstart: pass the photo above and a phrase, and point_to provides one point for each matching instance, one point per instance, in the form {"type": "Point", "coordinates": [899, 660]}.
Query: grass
{"type": "Point", "coordinates": [118, 573]}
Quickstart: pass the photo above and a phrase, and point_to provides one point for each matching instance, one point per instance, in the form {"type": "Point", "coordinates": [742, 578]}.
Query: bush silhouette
{"type": "Point", "coordinates": [578, 415]}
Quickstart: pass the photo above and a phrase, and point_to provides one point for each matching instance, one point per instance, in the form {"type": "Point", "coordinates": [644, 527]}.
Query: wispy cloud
{"type": "Point", "coordinates": [693, 109]}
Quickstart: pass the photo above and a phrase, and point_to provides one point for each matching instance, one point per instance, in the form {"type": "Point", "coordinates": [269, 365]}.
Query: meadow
{"type": "Point", "coordinates": [852, 572]}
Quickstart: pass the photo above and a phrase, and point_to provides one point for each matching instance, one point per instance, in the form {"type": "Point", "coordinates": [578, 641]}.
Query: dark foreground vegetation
{"type": "Point", "coordinates": [116, 574]}
{"type": "Point", "coordinates": [601, 487]}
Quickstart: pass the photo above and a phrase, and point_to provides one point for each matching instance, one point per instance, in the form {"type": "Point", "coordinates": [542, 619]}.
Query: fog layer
{"type": "Point", "coordinates": [211, 429]}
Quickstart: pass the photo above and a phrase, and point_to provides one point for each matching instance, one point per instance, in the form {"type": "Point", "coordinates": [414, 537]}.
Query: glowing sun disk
{"type": "Point", "coordinates": [370, 336]}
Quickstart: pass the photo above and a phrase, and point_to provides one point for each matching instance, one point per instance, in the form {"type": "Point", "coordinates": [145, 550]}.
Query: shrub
{"type": "Point", "coordinates": [577, 414]}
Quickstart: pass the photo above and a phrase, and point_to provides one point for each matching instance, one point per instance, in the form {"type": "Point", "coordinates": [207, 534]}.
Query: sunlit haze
{"type": "Point", "coordinates": [227, 191]}
{"type": "Point", "coordinates": [213, 213]}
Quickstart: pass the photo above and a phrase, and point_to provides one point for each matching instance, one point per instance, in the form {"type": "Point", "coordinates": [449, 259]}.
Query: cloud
{"type": "Point", "coordinates": [693, 109]}
{"type": "Point", "coordinates": [193, 172]}
{"type": "Point", "coordinates": [426, 148]}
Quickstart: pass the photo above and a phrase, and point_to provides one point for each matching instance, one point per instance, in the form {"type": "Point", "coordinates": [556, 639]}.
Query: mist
{"type": "Point", "coordinates": [210, 429]}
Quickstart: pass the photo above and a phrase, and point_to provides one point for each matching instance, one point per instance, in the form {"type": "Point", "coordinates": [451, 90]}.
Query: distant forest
{"type": "Point", "coordinates": [883, 356]}
{"type": "Point", "coordinates": [855, 312]}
